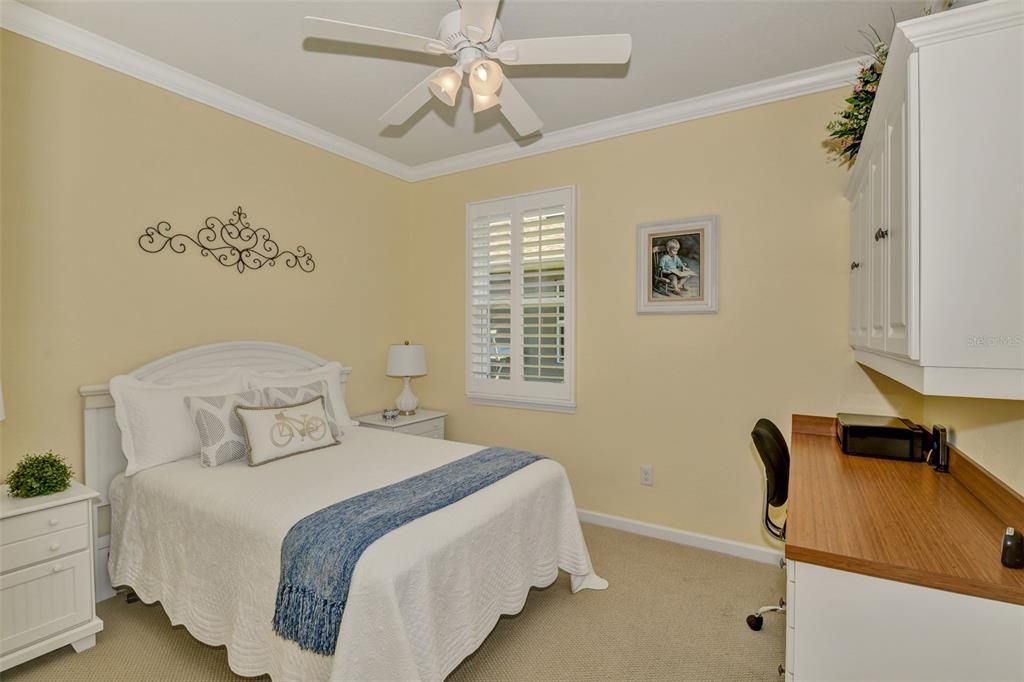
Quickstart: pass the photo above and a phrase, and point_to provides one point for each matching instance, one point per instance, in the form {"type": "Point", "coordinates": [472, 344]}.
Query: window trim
{"type": "Point", "coordinates": [564, 399]}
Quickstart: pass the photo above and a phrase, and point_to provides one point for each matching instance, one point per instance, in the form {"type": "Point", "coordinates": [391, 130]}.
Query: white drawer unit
{"type": "Point", "coordinates": [790, 618]}
{"type": "Point", "coordinates": [856, 628]}
{"type": "Point", "coordinates": [46, 574]}
{"type": "Point", "coordinates": [426, 423]}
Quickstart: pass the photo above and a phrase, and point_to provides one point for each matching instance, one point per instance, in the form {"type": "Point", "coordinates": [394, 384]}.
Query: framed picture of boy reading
{"type": "Point", "coordinates": [677, 266]}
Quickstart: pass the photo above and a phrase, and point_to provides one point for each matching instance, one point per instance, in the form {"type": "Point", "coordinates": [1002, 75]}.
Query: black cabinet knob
{"type": "Point", "coordinates": [854, 265]}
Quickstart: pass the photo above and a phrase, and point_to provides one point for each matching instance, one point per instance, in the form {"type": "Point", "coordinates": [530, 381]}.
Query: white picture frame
{"type": "Point", "coordinates": [689, 251]}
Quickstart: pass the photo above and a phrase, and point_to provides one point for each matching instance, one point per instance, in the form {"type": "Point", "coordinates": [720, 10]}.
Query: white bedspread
{"type": "Point", "coordinates": [206, 543]}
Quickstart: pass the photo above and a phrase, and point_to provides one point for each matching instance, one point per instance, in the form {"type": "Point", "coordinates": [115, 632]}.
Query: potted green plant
{"type": "Point", "coordinates": [37, 474]}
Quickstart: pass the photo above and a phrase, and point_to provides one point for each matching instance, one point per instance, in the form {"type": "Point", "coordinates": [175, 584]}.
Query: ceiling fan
{"type": "Point", "coordinates": [472, 36]}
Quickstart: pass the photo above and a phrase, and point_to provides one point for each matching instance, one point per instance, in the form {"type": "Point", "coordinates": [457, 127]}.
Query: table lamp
{"type": "Point", "coordinates": [406, 360]}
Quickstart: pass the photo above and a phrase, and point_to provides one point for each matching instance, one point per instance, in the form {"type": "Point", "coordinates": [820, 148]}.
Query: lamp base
{"type": "Point", "coordinates": [407, 401]}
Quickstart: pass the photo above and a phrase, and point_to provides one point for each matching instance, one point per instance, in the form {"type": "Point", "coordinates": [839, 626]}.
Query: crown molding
{"type": "Point", "coordinates": [962, 22]}
{"type": "Point", "coordinates": [751, 95]}
{"type": "Point", "coordinates": [62, 35]}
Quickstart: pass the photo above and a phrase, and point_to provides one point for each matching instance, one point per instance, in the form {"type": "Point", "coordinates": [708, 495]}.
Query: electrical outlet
{"type": "Point", "coordinates": [646, 474]}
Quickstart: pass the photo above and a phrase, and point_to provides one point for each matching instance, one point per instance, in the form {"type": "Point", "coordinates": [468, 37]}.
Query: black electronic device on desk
{"type": "Point", "coordinates": [1013, 548]}
{"type": "Point", "coordinates": [887, 437]}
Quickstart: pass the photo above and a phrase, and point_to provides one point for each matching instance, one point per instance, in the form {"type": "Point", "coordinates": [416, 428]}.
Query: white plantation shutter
{"type": "Point", "coordinates": [520, 317]}
{"type": "Point", "coordinates": [490, 324]}
{"type": "Point", "coordinates": [542, 249]}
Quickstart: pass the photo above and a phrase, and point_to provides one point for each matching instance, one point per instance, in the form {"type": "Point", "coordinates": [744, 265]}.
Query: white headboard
{"type": "Point", "coordinates": [103, 457]}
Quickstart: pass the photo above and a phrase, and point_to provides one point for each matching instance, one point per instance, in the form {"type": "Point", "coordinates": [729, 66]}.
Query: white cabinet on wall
{"type": "Point", "coordinates": [937, 208]}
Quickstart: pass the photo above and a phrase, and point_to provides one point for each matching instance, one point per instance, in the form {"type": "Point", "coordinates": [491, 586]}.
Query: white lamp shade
{"type": "Point", "coordinates": [406, 360]}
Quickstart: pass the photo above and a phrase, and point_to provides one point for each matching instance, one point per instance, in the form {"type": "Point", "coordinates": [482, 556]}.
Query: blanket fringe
{"type": "Point", "coordinates": [308, 619]}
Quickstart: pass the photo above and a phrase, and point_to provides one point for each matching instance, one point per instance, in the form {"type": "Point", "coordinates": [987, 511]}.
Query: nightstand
{"type": "Point", "coordinates": [428, 423]}
{"type": "Point", "coordinates": [46, 565]}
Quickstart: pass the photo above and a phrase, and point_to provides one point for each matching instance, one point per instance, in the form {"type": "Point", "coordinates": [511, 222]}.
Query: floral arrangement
{"type": "Point", "coordinates": [847, 131]}
{"type": "Point", "coordinates": [39, 475]}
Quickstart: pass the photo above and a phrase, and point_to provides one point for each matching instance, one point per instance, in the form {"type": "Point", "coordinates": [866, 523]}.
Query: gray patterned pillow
{"type": "Point", "coordinates": [281, 396]}
{"type": "Point", "coordinates": [221, 435]}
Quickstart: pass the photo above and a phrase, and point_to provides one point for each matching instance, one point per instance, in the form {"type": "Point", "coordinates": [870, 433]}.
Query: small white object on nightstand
{"type": "Point", "coordinates": [46, 565]}
{"type": "Point", "coordinates": [428, 423]}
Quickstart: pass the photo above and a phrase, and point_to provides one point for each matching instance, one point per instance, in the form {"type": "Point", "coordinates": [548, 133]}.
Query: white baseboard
{"type": "Point", "coordinates": [682, 537]}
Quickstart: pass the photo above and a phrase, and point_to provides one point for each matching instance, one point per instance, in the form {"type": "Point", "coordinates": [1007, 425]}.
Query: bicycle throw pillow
{"type": "Point", "coordinates": [275, 432]}
{"type": "Point", "coordinates": [280, 396]}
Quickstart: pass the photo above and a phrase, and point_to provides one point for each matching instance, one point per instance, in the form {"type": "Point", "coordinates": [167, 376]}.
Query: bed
{"type": "Point", "coordinates": [206, 542]}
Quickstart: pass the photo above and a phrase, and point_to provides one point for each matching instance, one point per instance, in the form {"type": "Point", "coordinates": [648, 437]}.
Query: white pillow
{"type": "Point", "coordinates": [331, 373]}
{"type": "Point", "coordinates": [275, 432]}
{"type": "Point", "coordinates": [155, 424]}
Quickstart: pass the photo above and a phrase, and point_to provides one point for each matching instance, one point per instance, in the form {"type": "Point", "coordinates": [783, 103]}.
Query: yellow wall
{"type": "Point", "coordinates": [989, 431]}
{"type": "Point", "coordinates": [90, 158]}
{"type": "Point", "coordinates": [680, 392]}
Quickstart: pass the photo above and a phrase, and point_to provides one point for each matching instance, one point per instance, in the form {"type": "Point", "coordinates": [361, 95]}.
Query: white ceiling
{"type": "Point", "coordinates": [681, 49]}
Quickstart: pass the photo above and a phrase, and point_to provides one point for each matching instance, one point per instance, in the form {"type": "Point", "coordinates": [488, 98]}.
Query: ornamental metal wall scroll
{"type": "Point", "coordinates": [232, 244]}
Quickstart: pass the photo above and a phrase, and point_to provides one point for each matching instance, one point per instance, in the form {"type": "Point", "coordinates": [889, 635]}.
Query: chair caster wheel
{"type": "Point", "coordinates": [754, 622]}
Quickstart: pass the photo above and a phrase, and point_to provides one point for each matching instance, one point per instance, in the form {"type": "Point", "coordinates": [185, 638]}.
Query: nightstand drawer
{"type": "Point", "coordinates": [430, 429]}
{"type": "Point", "coordinates": [22, 526]}
{"type": "Point", "coordinates": [50, 546]}
{"type": "Point", "coordinates": [43, 600]}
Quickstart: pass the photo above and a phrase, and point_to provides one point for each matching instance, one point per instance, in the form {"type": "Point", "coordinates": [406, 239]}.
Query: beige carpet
{"type": "Point", "coordinates": [671, 612]}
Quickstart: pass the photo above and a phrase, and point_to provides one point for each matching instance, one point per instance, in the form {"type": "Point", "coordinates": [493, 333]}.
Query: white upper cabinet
{"type": "Point", "coordinates": [937, 208]}
{"type": "Point", "coordinates": [896, 237]}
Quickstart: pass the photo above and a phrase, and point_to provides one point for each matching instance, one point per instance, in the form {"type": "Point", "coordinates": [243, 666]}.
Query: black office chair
{"type": "Point", "coordinates": [771, 446]}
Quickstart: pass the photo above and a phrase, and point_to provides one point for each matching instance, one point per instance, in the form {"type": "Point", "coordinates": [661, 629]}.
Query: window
{"type": "Point", "coordinates": [520, 297]}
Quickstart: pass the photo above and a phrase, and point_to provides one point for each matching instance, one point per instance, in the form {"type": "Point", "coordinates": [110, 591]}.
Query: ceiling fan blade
{"type": "Point", "coordinates": [604, 49]}
{"type": "Point", "coordinates": [369, 35]}
{"type": "Point", "coordinates": [411, 103]}
{"type": "Point", "coordinates": [478, 19]}
{"type": "Point", "coordinates": [518, 113]}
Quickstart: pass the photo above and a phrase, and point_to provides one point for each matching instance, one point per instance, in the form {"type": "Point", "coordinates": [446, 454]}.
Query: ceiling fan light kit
{"type": "Point", "coordinates": [485, 77]}
{"type": "Point", "coordinates": [445, 83]}
{"type": "Point", "coordinates": [483, 102]}
{"type": "Point", "coordinates": [473, 37]}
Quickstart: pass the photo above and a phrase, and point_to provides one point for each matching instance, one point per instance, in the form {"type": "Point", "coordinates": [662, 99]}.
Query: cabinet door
{"type": "Point", "coordinates": [864, 258]}
{"type": "Point", "coordinates": [44, 599]}
{"type": "Point", "coordinates": [876, 245]}
{"type": "Point", "coordinates": [897, 238]}
{"type": "Point", "coordinates": [857, 271]}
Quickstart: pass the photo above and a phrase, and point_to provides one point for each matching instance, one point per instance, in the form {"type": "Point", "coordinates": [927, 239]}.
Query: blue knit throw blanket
{"type": "Point", "coordinates": [319, 554]}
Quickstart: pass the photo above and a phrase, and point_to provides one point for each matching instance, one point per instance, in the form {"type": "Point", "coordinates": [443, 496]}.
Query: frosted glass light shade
{"type": "Point", "coordinates": [483, 102]}
{"type": "Point", "coordinates": [485, 77]}
{"type": "Point", "coordinates": [406, 360]}
{"type": "Point", "coordinates": [446, 85]}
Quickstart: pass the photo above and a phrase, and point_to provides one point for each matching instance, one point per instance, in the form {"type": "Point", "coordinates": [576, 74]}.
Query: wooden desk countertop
{"type": "Point", "coordinates": [894, 520]}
